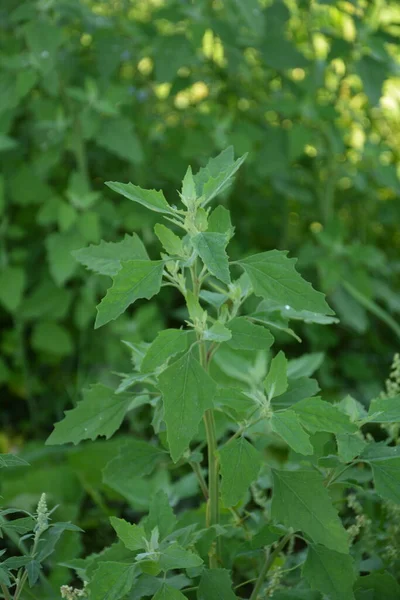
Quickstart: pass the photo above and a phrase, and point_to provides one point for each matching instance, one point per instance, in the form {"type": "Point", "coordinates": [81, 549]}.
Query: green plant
{"type": "Point", "coordinates": [277, 466]}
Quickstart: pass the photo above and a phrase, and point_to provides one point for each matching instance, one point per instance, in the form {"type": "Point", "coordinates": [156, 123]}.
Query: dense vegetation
{"type": "Point", "coordinates": [136, 91]}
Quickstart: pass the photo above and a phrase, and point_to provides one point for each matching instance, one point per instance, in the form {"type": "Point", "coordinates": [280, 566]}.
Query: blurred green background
{"type": "Point", "coordinates": [137, 90]}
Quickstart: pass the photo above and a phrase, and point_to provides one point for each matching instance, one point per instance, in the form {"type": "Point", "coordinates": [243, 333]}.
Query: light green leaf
{"type": "Point", "coordinates": [219, 221]}
{"type": "Point", "coordinates": [217, 175]}
{"type": "Point", "coordinates": [330, 572]}
{"type": "Point", "coordinates": [300, 500]}
{"type": "Point", "coordinates": [12, 284]}
{"type": "Point", "coordinates": [276, 382]}
{"type": "Point", "coordinates": [166, 592]}
{"type": "Point", "coordinates": [217, 333]}
{"type": "Point", "coordinates": [132, 536]}
{"type": "Point", "coordinates": [152, 199]}
{"type": "Point", "coordinates": [10, 460]}
{"type": "Point", "coordinates": [59, 247]}
{"type": "Point", "coordinates": [377, 586]}
{"type": "Point", "coordinates": [167, 344]}
{"type": "Point", "coordinates": [171, 242]}
{"type": "Point", "coordinates": [188, 188]}
{"type": "Point", "coordinates": [288, 426]}
{"type": "Point", "coordinates": [240, 463]}
{"type": "Point", "coordinates": [106, 257]}
{"type": "Point", "coordinates": [211, 249]}
{"type": "Point", "coordinates": [349, 445]}
{"type": "Point", "coordinates": [136, 279]}
{"type": "Point", "coordinates": [187, 392]}
{"type": "Point", "coordinates": [111, 581]}
{"type": "Point", "coordinates": [273, 277]}
{"type": "Point", "coordinates": [176, 557]}
{"type": "Point", "coordinates": [215, 584]}
{"type": "Point", "coordinates": [386, 410]}
{"type": "Point", "coordinates": [385, 463]}
{"type": "Point", "coordinates": [247, 336]}
{"type": "Point", "coordinates": [305, 365]}
{"type": "Point", "coordinates": [160, 515]}
{"type": "Point", "coordinates": [298, 389]}
{"type": "Point", "coordinates": [317, 415]}
{"type": "Point", "coordinates": [53, 338]}
{"type": "Point", "coordinates": [101, 412]}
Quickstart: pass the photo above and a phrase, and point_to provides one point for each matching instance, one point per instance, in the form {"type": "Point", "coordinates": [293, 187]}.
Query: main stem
{"type": "Point", "coordinates": [268, 564]}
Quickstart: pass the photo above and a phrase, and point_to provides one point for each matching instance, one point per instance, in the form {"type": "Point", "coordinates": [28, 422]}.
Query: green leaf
{"type": "Point", "coordinates": [211, 249]}
{"type": "Point", "coordinates": [287, 425]}
{"type": "Point", "coordinates": [217, 175]}
{"type": "Point", "coordinates": [217, 333]}
{"type": "Point", "coordinates": [377, 586]}
{"type": "Point", "coordinates": [167, 344]}
{"type": "Point", "coordinates": [238, 457]}
{"type": "Point", "coordinates": [317, 415]}
{"type": "Point", "coordinates": [119, 137]}
{"type": "Point", "coordinates": [373, 74]}
{"type": "Point", "coordinates": [12, 285]}
{"type": "Point", "coordinates": [52, 338]}
{"type": "Point", "coordinates": [215, 584]}
{"type": "Point", "coordinates": [300, 500]}
{"type": "Point", "coordinates": [106, 257]}
{"type": "Point", "coordinates": [349, 445]}
{"type": "Point", "coordinates": [273, 277]}
{"type": "Point", "coordinates": [187, 392]}
{"type": "Point", "coordinates": [166, 592]}
{"type": "Point", "coordinates": [386, 410]}
{"type": "Point", "coordinates": [385, 463]}
{"type": "Point", "coordinates": [59, 247]}
{"type": "Point", "coordinates": [101, 412]}
{"type": "Point", "coordinates": [171, 242]}
{"type": "Point", "coordinates": [330, 572]}
{"type": "Point", "coordinates": [111, 581]}
{"type": "Point", "coordinates": [152, 199]}
{"type": "Point", "coordinates": [176, 557]}
{"type": "Point", "coordinates": [219, 221]}
{"type": "Point", "coordinates": [305, 365]}
{"type": "Point", "coordinates": [298, 389]}
{"type": "Point", "coordinates": [132, 536]}
{"type": "Point", "coordinates": [247, 336]}
{"type": "Point", "coordinates": [160, 515]}
{"type": "Point", "coordinates": [10, 460]}
{"type": "Point", "coordinates": [188, 189]}
{"type": "Point", "coordinates": [136, 279]}
{"type": "Point", "coordinates": [276, 382]}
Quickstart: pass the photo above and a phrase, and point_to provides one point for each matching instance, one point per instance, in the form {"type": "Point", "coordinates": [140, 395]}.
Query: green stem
{"type": "Point", "coordinates": [268, 564]}
{"type": "Point", "coordinates": [202, 483]}
{"type": "Point", "coordinates": [213, 480]}
{"type": "Point", "coordinates": [5, 592]}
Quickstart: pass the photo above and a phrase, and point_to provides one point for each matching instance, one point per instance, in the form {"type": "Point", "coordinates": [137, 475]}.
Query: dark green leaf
{"type": "Point", "coordinates": [238, 456]}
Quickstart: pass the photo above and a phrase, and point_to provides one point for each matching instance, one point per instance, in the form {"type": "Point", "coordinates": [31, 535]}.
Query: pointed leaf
{"type": "Point", "coordinates": [101, 412]}
{"type": "Point", "coordinates": [211, 249]}
{"type": "Point", "coordinates": [385, 463]}
{"type": "Point", "coordinates": [317, 415]}
{"type": "Point", "coordinates": [300, 500]}
{"type": "Point", "coordinates": [217, 175]}
{"type": "Point", "coordinates": [176, 557]}
{"type": "Point", "coordinates": [385, 410]}
{"type": "Point", "coordinates": [273, 277]}
{"type": "Point", "coordinates": [247, 336]}
{"type": "Point", "coordinates": [171, 242]}
{"type": "Point", "coordinates": [219, 221]}
{"type": "Point", "coordinates": [349, 445]}
{"type": "Point", "coordinates": [160, 515]}
{"type": "Point", "coordinates": [111, 581]}
{"type": "Point", "coordinates": [330, 572]}
{"type": "Point", "coordinates": [132, 536]}
{"type": "Point", "coordinates": [10, 460]}
{"type": "Point", "coordinates": [215, 584]}
{"type": "Point", "coordinates": [166, 592]}
{"type": "Point", "coordinates": [167, 344]}
{"type": "Point", "coordinates": [240, 463]}
{"type": "Point", "coordinates": [136, 279]}
{"type": "Point", "coordinates": [152, 199]}
{"type": "Point", "coordinates": [187, 392]}
{"type": "Point", "coordinates": [276, 382]}
{"type": "Point", "coordinates": [106, 257]}
{"type": "Point", "coordinates": [287, 425]}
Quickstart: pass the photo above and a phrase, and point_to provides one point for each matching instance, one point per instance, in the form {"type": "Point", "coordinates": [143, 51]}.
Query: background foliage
{"type": "Point", "coordinates": [135, 91]}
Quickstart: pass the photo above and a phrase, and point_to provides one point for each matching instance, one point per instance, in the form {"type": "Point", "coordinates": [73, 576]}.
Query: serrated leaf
{"type": "Point", "coordinates": [273, 277]}
{"type": "Point", "coordinates": [287, 425]}
{"type": "Point", "coordinates": [238, 457]}
{"type": "Point", "coordinates": [330, 572]}
{"type": "Point", "coordinates": [160, 515]}
{"type": "Point", "coordinates": [166, 592]}
{"type": "Point", "coordinates": [101, 412]}
{"type": "Point", "coordinates": [317, 415]}
{"type": "Point", "coordinates": [385, 410]}
{"type": "Point", "coordinates": [188, 391]}
{"type": "Point", "coordinates": [349, 445]}
{"type": "Point", "coordinates": [12, 284]}
{"type": "Point", "coordinates": [105, 258]}
{"type": "Point", "coordinates": [131, 535]}
{"type": "Point", "coordinates": [10, 460]}
{"type": "Point", "coordinates": [298, 389]}
{"type": "Point", "coordinates": [215, 584]}
{"type": "Point", "coordinates": [176, 557]}
{"type": "Point", "coordinates": [385, 463]}
{"type": "Point", "coordinates": [136, 279]}
{"type": "Point", "coordinates": [219, 221]}
{"type": "Point", "coordinates": [217, 175]}
{"type": "Point", "coordinates": [276, 382]}
{"type": "Point", "coordinates": [171, 242]}
{"type": "Point", "coordinates": [248, 336]}
{"type": "Point", "coordinates": [211, 249]}
{"type": "Point", "coordinates": [167, 344]}
{"type": "Point", "coordinates": [111, 581]}
{"type": "Point", "coordinates": [300, 500]}
{"type": "Point", "coordinates": [152, 199]}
